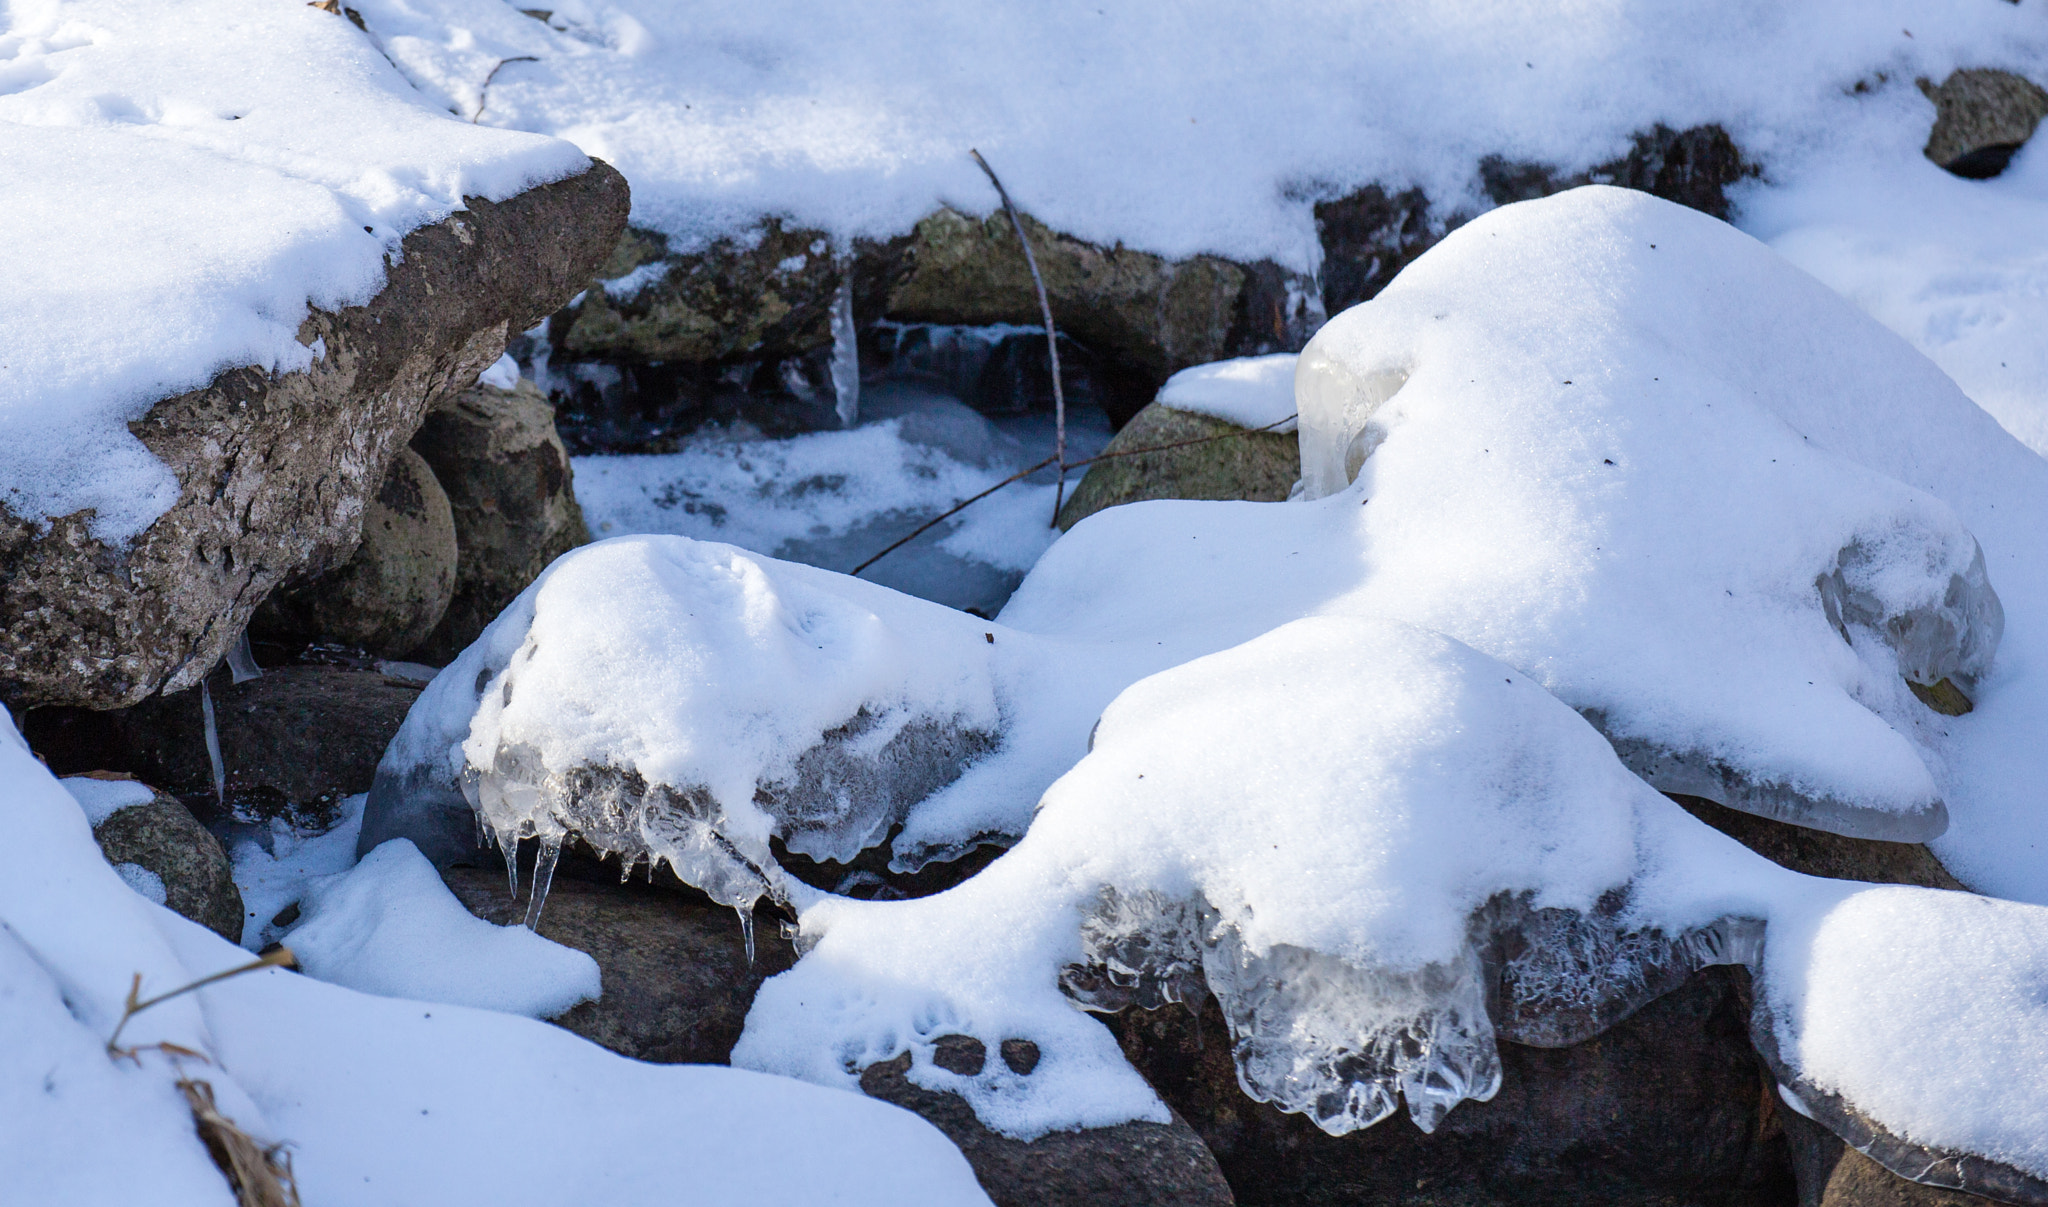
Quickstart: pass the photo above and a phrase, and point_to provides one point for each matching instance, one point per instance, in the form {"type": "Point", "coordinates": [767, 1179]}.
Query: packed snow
{"type": "Point", "coordinates": [101, 799]}
{"type": "Point", "coordinates": [184, 181]}
{"type": "Point", "coordinates": [274, 866]}
{"type": "Point", "coordinates": [373, 1094]}
{"type": "Point", "coordinates": [1255, 392]}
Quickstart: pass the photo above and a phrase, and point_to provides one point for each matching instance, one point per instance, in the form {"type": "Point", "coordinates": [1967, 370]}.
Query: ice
{"type": "Point", "coordinates": [389, 926]}
{"type": "Point", "coordinates": [1254, 392]}
{"type": "Point", "coordinates": [372, 1093]}
{"type": "Point", "coordinates": [185, 180]}
{"type": "Point", "coordinates": [845, 352]}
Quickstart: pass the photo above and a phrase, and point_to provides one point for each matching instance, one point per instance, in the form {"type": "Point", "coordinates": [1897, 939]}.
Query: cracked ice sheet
{"type": "Point", "coordinates": [374, 1094]}
{"type": "Point", "coordinates": [1356, 789]}
{"type": "Point", "coordinates": [184, 180]}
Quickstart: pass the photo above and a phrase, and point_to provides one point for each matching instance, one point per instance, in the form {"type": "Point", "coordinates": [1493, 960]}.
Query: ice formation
{"type": "Point", "coordinates": [183, 181]}
{"type": "Point", "coordinates": [1383, 851]}
{"type": "Point", "coordinates": [372, 1093]}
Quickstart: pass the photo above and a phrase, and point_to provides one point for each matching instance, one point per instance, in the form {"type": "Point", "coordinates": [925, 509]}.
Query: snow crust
{"type": "Point", "coordinates": [184, 180]}
{"type": "Point", "coordinates": [389, 926]}
{"type": "Point", "coordinates": [373, 1093]}
{"type": "Point", "coordinates": [1250, 391]}
{"type": "Point", "coordinates": [846, 120]}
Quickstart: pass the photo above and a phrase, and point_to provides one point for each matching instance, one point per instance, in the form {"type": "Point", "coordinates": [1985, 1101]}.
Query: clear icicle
{"type": "Point", "coordinates": [242, 660]}
{"type": "Point", "coordinates": [220, 769]}
{"type": "Point", "coordinates": [747, 931]}
{"type": "Point", "coordinates": [845, 351]}
{"type": "Point", "coordinates": [543, 876]}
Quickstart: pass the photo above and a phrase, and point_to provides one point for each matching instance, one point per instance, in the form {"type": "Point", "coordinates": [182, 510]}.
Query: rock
{"type": "Point", "coordinates": [1371, 235]}
{"type": "Point", "coordinates": [1669, 1107]}
{"type": "Point", "coordinates": [1819, 853]}
{"type": "Point", "coordinates": [395, 590]}
{"type": "Point", "coordinates": [294, 742]}
{"type": "Point", "coordinates": [1261, 466]}
{"type": "Point", "coordinates": [1143, 316]}
{"type": "Point", "coordinates": [1831, 1174]}
{"type": "Point", "coordinates": [1129, 1165]}
{"type": "Point", "coordinates": [677, 982]}
{"type": "Point", "coordinates": [514, 508]}
{"type": "Point", "coordinates": [1981, 117]}
{"type": "Point", "coordinates": [275, 472]}
{"type": "Point", "coordinates": [164, 838]}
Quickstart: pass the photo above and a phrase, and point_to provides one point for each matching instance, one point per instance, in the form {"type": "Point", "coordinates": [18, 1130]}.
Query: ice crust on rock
{"type": "Point", "coordinates": [183, 181]}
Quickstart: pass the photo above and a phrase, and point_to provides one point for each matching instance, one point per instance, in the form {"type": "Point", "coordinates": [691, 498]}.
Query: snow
{"type": "Point", "coordinates": [1251, 391]}
{"type": "Point", "coordinates": [274, 867]}
{"type": "Point", "coordinates": [143, 881]}
{"type": "Point", "coordinates": [846, 121]}
{"type": "Point", "coordinates": [184, 181]}
{"type": "Point", "coordinates": [374, 1094]}
{"type": "Point", "coordinates": [389, 926]}
{"type": "Point", "coordinates": [502, 375]}
{"type": "Point", "coordinates": [102, 799]}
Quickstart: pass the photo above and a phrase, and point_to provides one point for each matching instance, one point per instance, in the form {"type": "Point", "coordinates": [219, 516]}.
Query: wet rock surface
{"type": "Point", "coordinates": [275, 473]}
{"type": "Point", "coordinates": [396, 588]}
{"type": "Point", "coordinates": [511, 498]}
{"type": "Point", "coordinates": [1669, 1107]}
{"type": "Point", "coordinates": [164, 838]}
{"type": "Point", "coordinates": [293, 742]}
{"type": "Point", "coordinates": [1231, 463]}
{"type": "Point", "coordinates": [1981, 119]}
{"type": "Point", "coordinates": [1129, 1165]}
{"type": "Point", "coordinates": [1819, 853]}
{"type": "Point", "coordinates": [677, 981]}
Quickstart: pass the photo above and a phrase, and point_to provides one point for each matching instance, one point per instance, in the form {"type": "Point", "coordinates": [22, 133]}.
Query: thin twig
{"type": "Point", "coordinates": [276, 957]}
{"type": "Point", "coordinates": [963, 504]}
{"type": "Point", "coordinates": [1052, 342]}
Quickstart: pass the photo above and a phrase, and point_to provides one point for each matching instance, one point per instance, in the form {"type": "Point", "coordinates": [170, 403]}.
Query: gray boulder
{"type": "Point", "coordinates": [389, 596]}
{"type": "Point", "coordinates": [276, 472]}
{"type": "Point", "coordinates": [1230, 463]}
{"type": "Point", "coordinates": [1981, 118]}
{"type": "Point", "coordinates": [512, 503]}
{"type": "Point", "coordinates": [164, 839]}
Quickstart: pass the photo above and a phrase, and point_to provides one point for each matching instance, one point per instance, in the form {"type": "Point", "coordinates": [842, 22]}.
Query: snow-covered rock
{"type": "Point", "coordinates": [372, 1093]}
{"type": "Point", "coordinates": [217, 252]}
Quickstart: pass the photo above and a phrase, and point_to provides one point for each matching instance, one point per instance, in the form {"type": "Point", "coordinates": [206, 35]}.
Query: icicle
{"type": "Point", "coordinates": [220, 770]}
{"type": "Point", "coordinates": [543, 875]}
{"type": "Point", "coordinates": [747, 930]}
{"type": "Point", "coordinates": [242, 660]}
{"type": "Point", "coordinates": [845, 350]}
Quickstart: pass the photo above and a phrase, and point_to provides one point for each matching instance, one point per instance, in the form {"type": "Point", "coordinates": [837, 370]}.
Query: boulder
{"type": "Point", "coordinates": [677, 980]}
{"type": "Point", "coordinates": [276, 471]}
{"type": "Point", "coordinates": [1981, 118]}
{"type": "Point", "coordinates": [512, 502]}
{"type": "Point", "coordinates": [293, 742]}
{"type": "Point", "coordinates": [1670, 1107]}
{"type": "Point", "coordinates": [1231, 463]}
{"type": "Point", "coordinates": [1129, 1165]}
{"type": "Point", "coordinates": [389, 596]}
{"type": "Point", "coordinates": [1819, 853]}
{"type": "Point", "coordinates": [1142, 315]}
{"type": "Point", "coordinates": [161, 837]}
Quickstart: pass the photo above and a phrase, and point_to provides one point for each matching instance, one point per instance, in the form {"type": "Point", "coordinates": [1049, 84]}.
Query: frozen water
{"type": "Point", "coordinates": [845, 353]}
{"type": "Point", "coordinates": [389, 926]}
{"type": "Point", "coordinates": [184, 181]}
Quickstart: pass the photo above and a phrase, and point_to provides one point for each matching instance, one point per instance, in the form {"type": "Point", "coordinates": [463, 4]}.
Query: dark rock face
{"type": "Point", "coordinates": [1371, 235]}
{"type": "Point", "coordinates": [165, 838]}
{"type": "Point", "coordinates": [677, 981]}
{"type": "Point", "coordinates": [1231, 464]}
{"type": "Point", "coordinates": [276, 473]}
{"type": "Point", "coordinates": [1129, 1165]}
{"type": "Point", "coordinates": [1669, 1107]}
{"type": "Point", "coordinates": [511, 499]}
{"type": "Point", "coordinates": [396, 588]}
{"type": "Point", "coordinates": [1144, 316]}
{"type": "Point", "coordinates": [1981, 119]}
{"type": "Point", "coordinates": [1819, 853]}
{"type": "Point", "coordinates": [1831, 1174]}
{"type": "Point", "coordinates": [293, 742]}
